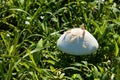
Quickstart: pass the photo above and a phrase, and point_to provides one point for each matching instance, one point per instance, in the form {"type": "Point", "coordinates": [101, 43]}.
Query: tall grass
{"type": "Point", "coordinates": [29, 30]}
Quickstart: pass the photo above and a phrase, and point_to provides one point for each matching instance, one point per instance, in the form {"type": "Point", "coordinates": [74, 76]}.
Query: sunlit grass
{"type": "Point", "coordinates": [29, 30]}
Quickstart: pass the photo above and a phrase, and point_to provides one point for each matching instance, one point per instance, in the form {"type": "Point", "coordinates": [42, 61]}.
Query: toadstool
{"type": "Point", "coordinates": [77, 41]}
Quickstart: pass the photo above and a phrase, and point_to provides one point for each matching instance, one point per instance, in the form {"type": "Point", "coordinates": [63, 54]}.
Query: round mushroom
{"type": "Point", "coordinates": [77, 41]}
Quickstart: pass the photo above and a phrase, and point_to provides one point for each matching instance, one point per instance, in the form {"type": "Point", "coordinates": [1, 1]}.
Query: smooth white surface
{"type": "Point", "coordinates": [77, 42]}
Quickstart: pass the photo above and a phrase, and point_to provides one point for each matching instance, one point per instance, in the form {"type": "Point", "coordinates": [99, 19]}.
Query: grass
{"type": "Point", "coordinates": [29, 30]}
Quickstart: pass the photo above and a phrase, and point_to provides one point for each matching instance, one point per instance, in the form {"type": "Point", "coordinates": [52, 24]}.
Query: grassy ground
{"type": "Point", "coordinates": [29, 30]}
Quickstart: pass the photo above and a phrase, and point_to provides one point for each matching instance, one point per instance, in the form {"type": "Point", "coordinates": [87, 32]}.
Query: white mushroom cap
{"type": "Point", "coordinates": [77, 41]}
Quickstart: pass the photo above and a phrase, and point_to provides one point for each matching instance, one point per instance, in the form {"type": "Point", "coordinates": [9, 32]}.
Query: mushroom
{"type": "Point", "coordinates": [77, 41]}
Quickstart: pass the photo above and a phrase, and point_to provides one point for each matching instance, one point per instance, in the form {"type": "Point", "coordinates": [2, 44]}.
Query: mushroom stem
{"type": "Point", "coordinates": [83, 28]}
